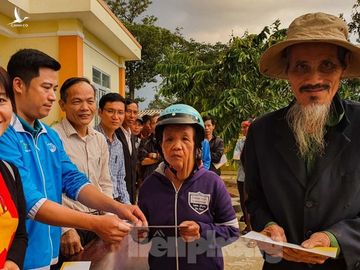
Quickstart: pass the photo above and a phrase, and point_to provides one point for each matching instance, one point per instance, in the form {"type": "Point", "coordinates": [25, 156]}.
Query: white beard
{"type": "Point", "coordinates": [308, 124]}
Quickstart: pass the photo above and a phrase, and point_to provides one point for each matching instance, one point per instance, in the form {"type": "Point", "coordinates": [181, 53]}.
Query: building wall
{"type": "Point", "coordinates": [48, 45]}
{"type": "Point", "coordinates": [96, 54]}
{"type": "Point", "coordinates": [9, 46]}
{"type": "Point", "coordinates": [88, 37]}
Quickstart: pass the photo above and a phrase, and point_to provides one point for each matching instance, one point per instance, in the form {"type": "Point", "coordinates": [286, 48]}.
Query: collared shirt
{"type": "Point", "coordinates": [127, 134]}
{"type": "Point", "coordinates": [33, 130]}
{"type": "Point", "coordinates": [90, 154]}
{"type": "Point", "coordinates": [117, 167]}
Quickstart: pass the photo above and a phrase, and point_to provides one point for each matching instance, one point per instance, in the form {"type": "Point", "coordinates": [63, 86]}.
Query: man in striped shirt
{"type": "Point", "coordinates": [112, 114]}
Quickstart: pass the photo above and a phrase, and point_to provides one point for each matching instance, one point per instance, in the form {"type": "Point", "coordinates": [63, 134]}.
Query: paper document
{"type": "Point", "coordinates": [75, 266]}
{"type": "Point", "coordinates": [325, 251]}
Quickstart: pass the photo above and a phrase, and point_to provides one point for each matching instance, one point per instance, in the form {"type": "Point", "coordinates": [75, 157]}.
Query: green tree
{"type": "Point", "coordinates": [228, 84]}
{"type": "Point", "coordinates": [160, 102]}
{"type": "Point", "coordinates": [153, 39]}
{"type": "Point", "coordinates": [129, 10]}
{"type": "Point", "coordinates": [224, 80]}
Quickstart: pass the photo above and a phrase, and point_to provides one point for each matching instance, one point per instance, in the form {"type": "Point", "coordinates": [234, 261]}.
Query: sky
{"type": "Point", "coordinates": [214, 21]}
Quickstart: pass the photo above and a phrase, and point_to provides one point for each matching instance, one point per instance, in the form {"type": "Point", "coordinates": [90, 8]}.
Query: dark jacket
{"type": "Point", "coordinates": [217, 150]}
{"type": "Point", "coordinates": [202, 198]}
{"type": "Point", "coordinates": [17, 249]}
{"type": "Point", "coordinates": [147, 145]}
{"type": "Point", "coordinates": [328, 199]}
{"type": "Point", "coordinates": [130, 164]}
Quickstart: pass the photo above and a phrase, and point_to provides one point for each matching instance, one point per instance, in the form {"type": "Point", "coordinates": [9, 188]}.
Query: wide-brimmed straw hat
{"type": "Point", "coordinates": [312, 27]}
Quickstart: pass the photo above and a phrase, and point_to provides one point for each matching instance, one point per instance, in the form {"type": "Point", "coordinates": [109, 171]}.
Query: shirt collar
{"type": "Point", "coordinates": [100, 129]}
{"type": "Point", "coordinates": [34, 130]}
{"type": "Point", "coordinates": [127, 132]}
{"type": "Point", "coordinates": [70, 130]}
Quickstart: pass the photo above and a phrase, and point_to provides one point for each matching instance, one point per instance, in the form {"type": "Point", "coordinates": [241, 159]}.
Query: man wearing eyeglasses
{"type": "Point", "coordinates": [112, 114]}
{"type": "Point", "coordinates": [87, 148]}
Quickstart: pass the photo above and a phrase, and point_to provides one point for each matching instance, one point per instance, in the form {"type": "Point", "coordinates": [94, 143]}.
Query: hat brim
{"type": "Point", "coordinates": [273, 61]}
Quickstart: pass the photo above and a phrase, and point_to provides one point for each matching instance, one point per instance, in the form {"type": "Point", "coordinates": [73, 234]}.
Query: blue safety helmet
{"type": "Point", "coordinates": [181, 114]}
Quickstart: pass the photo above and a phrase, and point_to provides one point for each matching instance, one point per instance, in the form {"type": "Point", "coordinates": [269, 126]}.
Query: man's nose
{"type": "Point", "coordinates": [315, 76]}
{"type": "Point", "coordinates": [84, 106]}
{"type": "Point", "coordinates": [52, 95]}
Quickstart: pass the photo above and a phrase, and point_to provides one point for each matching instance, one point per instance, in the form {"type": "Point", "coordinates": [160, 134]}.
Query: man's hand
{"type": "Point", "coordinates": [10, 265]}
{"type": "Point", "coordinates": [110, 228]}
{"type": "Point", "coordinates": [318, 239]}
{"type": "Point", "coordinates": [190, 231]}
{"type": "Point", "coordinates": [70, 243]}
{"type": "Point", "coordinates": [276, 233]}
{"type": "Point", "coordinates": [131, 213]}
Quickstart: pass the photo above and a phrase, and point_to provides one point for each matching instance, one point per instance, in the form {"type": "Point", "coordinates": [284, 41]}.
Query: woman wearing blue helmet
{"type": "Point", "coordinates": [182, 194]}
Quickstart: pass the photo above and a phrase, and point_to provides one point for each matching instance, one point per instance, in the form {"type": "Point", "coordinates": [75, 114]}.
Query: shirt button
{"type": "Point", "coordinates": [357, 265]}
{"type": "Point", "coordinates": [309, 204]}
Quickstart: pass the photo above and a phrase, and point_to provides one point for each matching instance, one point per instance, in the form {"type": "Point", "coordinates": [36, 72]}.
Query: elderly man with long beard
{"type": "Point", "coordinates": [302, 162]}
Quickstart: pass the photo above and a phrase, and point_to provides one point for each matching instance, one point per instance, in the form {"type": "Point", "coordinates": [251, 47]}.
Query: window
{"type": "Point", "coordinates": [101, 81]}
{"type": "Point", "coordinates": [100, 78]}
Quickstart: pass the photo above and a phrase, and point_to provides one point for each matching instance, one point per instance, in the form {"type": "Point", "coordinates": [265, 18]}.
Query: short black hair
{"type": "Point", "coordinates": [26, 63]}
{"type": "Point", "coordinates": [139, 120]}
{"type": "Point", "coordinates": [129, 101]}
{"type": "Point", "coordinates": [110, 97]}
{"type": "Point", "coordinates": [6, 84]}
{"type": "Point", "coordinates": [207, 118]}
{"type": "Point", "coordinates": [70, 82]}
{"type": "Point", "coordinates": [145, 118]}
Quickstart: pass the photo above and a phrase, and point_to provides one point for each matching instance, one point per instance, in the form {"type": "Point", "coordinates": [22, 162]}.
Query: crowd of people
{"type": "Point", "coordinates": [65, 185]}
{"type": "Point", "coordinates": [62, 182]}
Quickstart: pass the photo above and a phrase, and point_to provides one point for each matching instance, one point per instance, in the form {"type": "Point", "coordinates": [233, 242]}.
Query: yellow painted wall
{"type": "Point", "coordinates": [49, 45]}
{"type": "Point", "coordinates": [94, 58]}
{"type": "Point", "coordinates": [8, 46]}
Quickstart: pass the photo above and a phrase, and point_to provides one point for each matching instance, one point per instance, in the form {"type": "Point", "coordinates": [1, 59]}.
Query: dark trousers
{"type": "Point", "coordinates": [243, 195]}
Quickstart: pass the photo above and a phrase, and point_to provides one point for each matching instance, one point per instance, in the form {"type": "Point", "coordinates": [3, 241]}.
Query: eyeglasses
{"type": "Point", "coordinates": [114, 112]}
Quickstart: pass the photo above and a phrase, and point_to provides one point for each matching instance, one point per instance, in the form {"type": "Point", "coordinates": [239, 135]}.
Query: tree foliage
{"type": "Point", "coordinates": [128, 10]}
{"type": "Point", "coordinates": [160, 102]}
{"type": "Point", "coordinates": [224, 81]}
{"type": "Point", "coordinates": [153, 39]}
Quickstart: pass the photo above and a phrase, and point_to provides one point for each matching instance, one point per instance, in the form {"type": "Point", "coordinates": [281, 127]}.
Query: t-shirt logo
{"type": "Point", "coordinates": [199, 202]}
{"type": "Point", "coordinates": [52, 147]}
{"type": "Point", "coordinates": [25, 146]}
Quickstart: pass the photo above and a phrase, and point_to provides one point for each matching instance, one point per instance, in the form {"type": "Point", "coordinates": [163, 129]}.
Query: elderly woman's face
{"type": "Point", "coordinates": [178, 146]}
{"type": "Point", "coordinates": [5, 110]}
